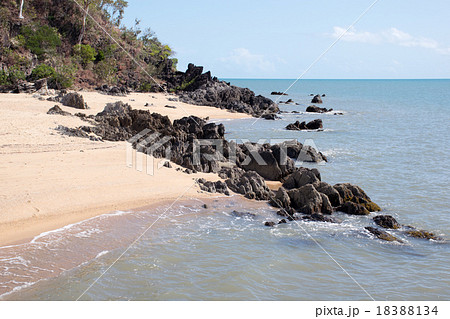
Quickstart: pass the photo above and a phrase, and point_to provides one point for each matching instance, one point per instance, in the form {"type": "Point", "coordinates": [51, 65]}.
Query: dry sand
{"type": "Point", "coordinates": [49, 180]}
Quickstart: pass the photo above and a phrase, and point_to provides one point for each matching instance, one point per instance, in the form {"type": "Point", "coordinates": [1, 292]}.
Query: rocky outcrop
{"type": "Point", "coordinates": [313, 125]}
{"type": "Point", "coordinates": [301, 177]}
{"type": "Point", "coordinates": [74, 100]}
{"type": "Point", "coordinates": [196, 87]}
{"type": "Point", "coordinates": [354, 194]}
{"type": "Point", "coordinates": [308, 200]}
{"type": "Point", "coordinates": [302, 153]}
{"type": "Point", "coordinates": [317, 99]}
{"type": "Point", "coordinates": [316, 109]}
{"type": "Point", "coordinates": [270, 116]}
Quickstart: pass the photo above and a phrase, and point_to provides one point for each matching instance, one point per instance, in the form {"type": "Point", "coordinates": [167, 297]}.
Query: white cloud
{"type": "Point", "coordinates": [244, 58]}
{"type": "Point", "coordinates": [392, 35]}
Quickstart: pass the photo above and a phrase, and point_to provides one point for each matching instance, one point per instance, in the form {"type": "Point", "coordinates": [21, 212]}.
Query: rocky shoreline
{"type": "Point", "coordinates": [244, 168]}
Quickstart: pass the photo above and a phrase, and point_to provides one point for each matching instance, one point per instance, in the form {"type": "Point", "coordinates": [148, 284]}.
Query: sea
{"type": "Point", "coordinates": [391, 137]}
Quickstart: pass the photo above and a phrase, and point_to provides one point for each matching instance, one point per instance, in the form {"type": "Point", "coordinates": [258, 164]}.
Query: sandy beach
{"type": "Point", "coordinates": [50, 180]}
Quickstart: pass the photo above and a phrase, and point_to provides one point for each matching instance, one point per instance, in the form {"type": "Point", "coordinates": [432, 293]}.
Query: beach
{"type": "Point", "coordinates": [50, 180]}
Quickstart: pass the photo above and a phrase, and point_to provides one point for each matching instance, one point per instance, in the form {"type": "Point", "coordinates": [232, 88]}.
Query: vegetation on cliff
{"type": "Point", "coordinates": [60, 40]}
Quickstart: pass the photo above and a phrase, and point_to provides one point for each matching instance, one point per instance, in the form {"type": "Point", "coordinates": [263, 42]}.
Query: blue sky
{"type": "Point", "coordinates": [280, 39]}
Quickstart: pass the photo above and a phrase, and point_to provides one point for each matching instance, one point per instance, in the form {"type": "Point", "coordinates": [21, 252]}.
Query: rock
{"type": "Point", "coordinates": [167, 164]}
{"type": "Point", "coordinates": [113, 90]}
{"type": "Point", "coordinates": [281, 199]}
{"type": "Point", "coordinates": [316, 109]}
{"type": "Point", "coordinates": [269, 168]}
{"type": "Point", "coordinates": [323, 95]}
{"type": "Point", "coordinates": [319, 218]}
{"type": "Point", "coordinates": [382, 234]}
{"type": "Point", "coordinates": [205, 206]}
{"type": "Point", "coordinates": [57, 110]}
{"type": "Point", "coordinates": [74, 100]}
{"type": "Point", "coordinates": [269, 224]}
{"type": "Point", "coordinates": [303, 153]}
{"type": "Point", "coordinates": [330, 192]}
{"type": "Point", "coordinates": [386, 221]}
{"type": "Point", "coordinates": [353, 193]}
{"type": "Point", "coordinates": [250, 184]}
{"type": "Point", "coordinates": [271, 116]}
{"type": "Point", "coordinates": [196, 87]}
{"type": "Point", "coordinates": [277, 93]}
{"type": "Point", "coordinates": [308, 200]}
{"type": "Point", "coordinates": [301, 177]}
{"type": "Point", "coordinates": [313, 125]}
{"type": "Point", "coordinates": [289, 101]}
{"type": "Point", "coordinates": [316, 99]}
{"type": "Point", "coordinates": [422, 234]}
{"type": "Point", "coordinates": [213, 187]}
{"type": "Point", "coordinates": [172, 99]}
{"type": "Point", "coordinates": [352, 208]}
{"type": "Point", "coordinates": [170, 106]}
{"type": "Point", "coordinates": [282, 221]}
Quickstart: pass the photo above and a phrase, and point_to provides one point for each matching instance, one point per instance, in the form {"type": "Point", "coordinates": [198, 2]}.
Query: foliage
{"type": "Point", "coordinates": [42, 71]}
{"type": "Point", "coordinates": [106, 71]}
{"type": "Point", "coordinates": [146, 87]}
{"type": "Point", "coordinates": [63, 77]}
{"type": "Point", "coordinates": [84, 54]}
{"type": "Point", "coordinates": [15, 74]}
{"type": "Point", "coordinates": [41, 40]}
{"type": "Point", "coordinates": [3, 77]}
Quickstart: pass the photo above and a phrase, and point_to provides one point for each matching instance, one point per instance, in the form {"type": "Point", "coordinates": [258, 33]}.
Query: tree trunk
{"type": "Point", "coordinates": [21, 9]}
{"type": "Point", "coordinates": [83, 29]}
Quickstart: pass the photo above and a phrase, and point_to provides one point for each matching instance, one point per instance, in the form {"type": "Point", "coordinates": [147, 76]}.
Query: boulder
{"type": "Point", "coordinates": [386, 221]}
{"type": "Point", "coordinates": [270, 116]}
{"type": "Point", "coordinates": [250, 184]}
{"type": "Point", "coordinates": [330, 192]}
{"type": "Point", "coordinates": [301, 177]}
{"type": "Point", "coordinates": [317, 99]}
{"type": "Point", "coordinates": [269, 168]}
{"type": "Point", "coordinates": [316, 109]}
{"type": "Point", "coordinates": [352, 208]}
{"type": "Point", "coordinates": [308, 200]}
{"type": "Point", "coordinates": [74, 100]}
{"type": "Point", "coordinates": [355, 194]}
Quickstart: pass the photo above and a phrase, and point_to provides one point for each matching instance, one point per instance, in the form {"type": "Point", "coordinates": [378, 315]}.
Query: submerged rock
{"type": "Point", "coordinates": [381, 234]}
{"type": "Point", "coordinates": [423, 234]}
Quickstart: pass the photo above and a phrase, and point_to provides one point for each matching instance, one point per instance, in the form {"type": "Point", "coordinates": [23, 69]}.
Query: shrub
{"type": "Point", "coordinates": [42, 71]}
{"type": "Point", "coordinates": [3, 78]}
{"type": "Point", "coordinates": [63, 77]}
{"type": "Point", "coordinates": [106, 71]}
{"type": "Point", "coordinates": [15, 74]}
{"type": "Point", "coordinates": [145, 87]}
{"type": "Point", "coordinates": [43, 40]}
{"type": "Point", "coordinates": [84, 53]}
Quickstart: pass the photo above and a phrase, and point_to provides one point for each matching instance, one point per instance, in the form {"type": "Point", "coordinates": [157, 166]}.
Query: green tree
{"type": "Point", "coordinates": [85, 54]}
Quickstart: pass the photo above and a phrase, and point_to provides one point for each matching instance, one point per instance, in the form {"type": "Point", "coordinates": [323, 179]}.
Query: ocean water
{"type": "Point", "coordinates": [392, 140]}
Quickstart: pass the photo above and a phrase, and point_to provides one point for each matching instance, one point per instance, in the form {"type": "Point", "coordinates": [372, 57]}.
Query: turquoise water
{"type": "Point", "coordinates": [392, 141]}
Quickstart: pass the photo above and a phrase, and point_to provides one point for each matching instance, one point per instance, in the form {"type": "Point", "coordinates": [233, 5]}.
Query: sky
{"type": "Point", "coordinates": [395, 39]}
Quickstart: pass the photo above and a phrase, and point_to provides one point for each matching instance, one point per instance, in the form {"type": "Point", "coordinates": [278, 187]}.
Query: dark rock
{"type": "Point", "coordinates": [330, 192]}
{"type": "Point", "coordinates": [422, 234]}
{"type": "Point", "coordinates": [319, 218]}
{"type": "Point", "coordinates": [74, 100]}
{"type": "Point", "coordinates": [213, 187]}
{"type": "Point", "coordinates": [353, 193]}
{"type": "Point", "coordinates": [282, 221]}
{"type": "Point", "coordinates": [277, 93]}
{"type": "Point", "coordinates": [250, 184]}
{"type": "Point", "coordinates": [196, 87]}
{"type": "Point", "coordinates": [303, 153]}
{"type": "Point", "coordinates": [205, 206]}
{"type": "Point", "coordinates": [269, 224]}
{"type": "Point", "coordinates": [301, 177]}
{"type": "Point", "coordinates": [323, 95]}
{"type": "Point", "coordinates": [381, 234]}
{"type": "Point", "coordinates": [316, 99]}
{"type": "Point", "coordinates": [57, 110]}
{"type": "Point", "coordinates": [170, 106]}
{"type": "Point", "coordinates": [289, 101]}
{"type": "Point", "coordinates": [352, 208]}
{"type": "Point", "coordinates": [308, 200]}
{"type": "Point", "coordinates": [316, 109]}
{"type": "Point", "coordinates": [271, 116]}
{"type": "Point", "coordinates": [386, 221]}
{"type": "Point", "coordinates": [167, 164]}
{"type": "Point", "coordinates": [113, 90]}
{"type": "Point", "coordinates": [313, 125]}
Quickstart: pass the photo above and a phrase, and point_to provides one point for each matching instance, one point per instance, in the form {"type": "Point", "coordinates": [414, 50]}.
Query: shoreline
{"type": "Point", "coordinates": [51, 180]}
